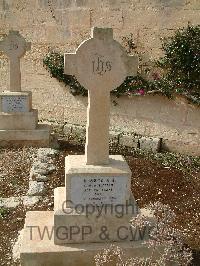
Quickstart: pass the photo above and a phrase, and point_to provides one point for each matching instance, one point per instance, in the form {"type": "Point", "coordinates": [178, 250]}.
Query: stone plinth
{"type": "Point", "coordinates": [87, 220]}
{"type": "Point", "coordinates": [40, 251]}
{"type": "Point", "coordinates": [82, 181]}
{"type": "Point", "coordinates": [19, 121]}
{"type": "Point", "coordinates": [38, 137]}
{"type": "Point", "coordinates": [16, 111]}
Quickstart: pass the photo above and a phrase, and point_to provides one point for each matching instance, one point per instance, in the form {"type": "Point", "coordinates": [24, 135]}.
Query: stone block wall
{"type": "Point", "coordinates": [68, 22]}
{"type": "Point", "coordinates": [117, 139]}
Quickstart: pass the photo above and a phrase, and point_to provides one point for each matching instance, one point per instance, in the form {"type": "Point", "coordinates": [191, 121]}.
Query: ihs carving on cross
{"type": "Point", "coordinates": [100, 64]}
{"type": "Point", "coordinates": [14, 46]}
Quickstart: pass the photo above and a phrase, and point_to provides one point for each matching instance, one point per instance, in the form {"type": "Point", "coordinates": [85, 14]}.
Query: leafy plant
{"type": "Point", "coordinates": [133, 86]}
{"type": "Point", "coordinates": [181, 61]}
{"type": "Point", "coordinates": [3, 212]}
{"type": "Point", "coordinates": [54, 63]}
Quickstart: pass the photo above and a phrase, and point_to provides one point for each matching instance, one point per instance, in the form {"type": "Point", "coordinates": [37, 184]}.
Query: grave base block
{"type": "Point", "coordinates": [86, 222]}
{"type": "Point", "coordinates": [76, 168]}
{"type": "Point", "coordinates": [39, 137]}
{"type": "Point", "coordinates": [19, 121]}
{"type": "Point", "coordinates": [38, 248]}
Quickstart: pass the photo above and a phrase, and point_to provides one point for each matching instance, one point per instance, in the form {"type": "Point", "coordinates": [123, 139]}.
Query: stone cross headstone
{"type": "Point", "coordinates": [100, 64]}
{"type": "Point", "coordinates": [18, 120]}
{"type": "Point", "coordinates": [14, 46]}
{"type": "Point", "coordinates": [79, 233]}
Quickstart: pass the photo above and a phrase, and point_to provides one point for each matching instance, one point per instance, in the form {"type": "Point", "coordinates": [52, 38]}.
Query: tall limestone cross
{"type": "Point", "coordinates": [100, 64]}
{"type": "Point", "coordinates": [14, 46]}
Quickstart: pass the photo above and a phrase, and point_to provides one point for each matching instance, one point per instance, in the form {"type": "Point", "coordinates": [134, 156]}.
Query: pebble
{"type": "Point", "coordinates": [36, 188]}
{"type": "Point", "coordinates": [47, 152]}
{"type": "Point", "coordinates": [41, 178]}
{"type": "Point", "coordinates": [31, 200]}
{"type": "Point", "coordinates": [9, 203]}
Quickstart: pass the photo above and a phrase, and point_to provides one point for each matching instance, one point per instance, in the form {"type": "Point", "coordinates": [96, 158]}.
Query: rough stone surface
{"type": "Point", "coordinates": [181, 146]}
{"type": "Point", "coordinates": [151, 144]}
{"type": "Point", "coordinates": [17, 247]}
{"type": "Point", "coordinates": [79, 131]}
{"type": "Point", "coordinates": [11, 202]}
{"type": "Point", "coordinates": [47, 152]}
{"type": "Point", "coordinates": [129, 141]}
{"type": "Point", "coordinates": [42, 178]}
{"type": "Point", "coordinates": [77, 135]}
{"type": "Point", "coordinates": [42, 168]}
{"type": "Point", "coordinates": [114, 137]}
{"type": "Point", "coordinates": [67, 130]}
{"type": "Point", "coordinates": [29, 201]}
{"type": "Point", "coordinates": [36, 188]}
{"type": "Point", "coordinates": [74, 18]}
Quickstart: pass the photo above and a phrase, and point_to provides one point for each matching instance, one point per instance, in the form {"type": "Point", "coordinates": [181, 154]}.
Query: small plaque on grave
{"type": "Point", "coordinates": [15, 104]}
{"type": "Point", "coordinates": [98, 190]}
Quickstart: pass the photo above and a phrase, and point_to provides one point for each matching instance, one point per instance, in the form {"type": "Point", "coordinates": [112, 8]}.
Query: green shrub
{"type": "Point", "coordinates": [181, 61]}
{"type": "Point", "coordinates": [3, 212]}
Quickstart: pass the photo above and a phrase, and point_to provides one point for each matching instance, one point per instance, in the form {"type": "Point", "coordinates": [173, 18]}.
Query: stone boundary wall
{"type": "Point", "coordinates": [76, 134]}
{"type": "Point", "coordinates": [68, 22]}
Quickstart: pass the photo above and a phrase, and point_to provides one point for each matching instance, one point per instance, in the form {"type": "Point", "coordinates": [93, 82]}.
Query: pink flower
{"type": "Point", "coordinates": [141, 91]}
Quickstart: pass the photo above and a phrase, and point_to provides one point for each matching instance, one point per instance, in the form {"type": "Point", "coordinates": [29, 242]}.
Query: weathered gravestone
{"type": "Point", "coordinates": [18, 121]}
{"type": "Point", "coordinates": [100, 65]}
{"type": "Point", "coordinates": [87, 212]}
{"type": "Point", "coordinates": [15, 47]}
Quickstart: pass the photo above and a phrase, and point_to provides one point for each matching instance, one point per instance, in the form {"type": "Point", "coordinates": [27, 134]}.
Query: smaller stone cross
{"type": "Point", "coordinates": [14, 46]}
{"type": "Point", "coordinates": [100, 64]}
